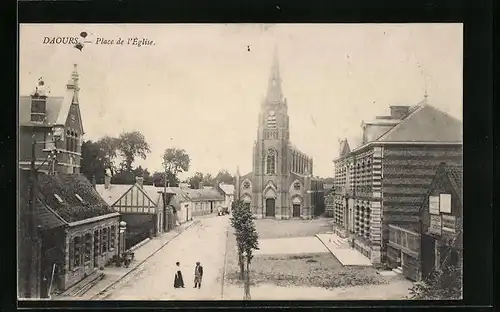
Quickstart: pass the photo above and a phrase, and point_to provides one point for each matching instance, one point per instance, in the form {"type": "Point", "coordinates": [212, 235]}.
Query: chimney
{"type": "Point", "coordinates": [398, 112]}
{"type": "Point", "coordinates": [139, 181]}
{"type": "Point", "coordinates": [107, 181]}
{"type": "Point", "coordinates": [200, 186]}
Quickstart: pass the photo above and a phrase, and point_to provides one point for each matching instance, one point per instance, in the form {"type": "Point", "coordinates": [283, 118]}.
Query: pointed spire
{"type": "Point", "coordinates": [73, 83]}
{"type": "Point", "coordinates": [238, 170]}
{"type": "Point", "coordinates": [274, 92]}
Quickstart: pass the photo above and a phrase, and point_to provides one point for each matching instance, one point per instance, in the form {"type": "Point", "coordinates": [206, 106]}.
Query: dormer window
{"type": "Point", "coordinates": [79, 198]}
{"type": "Point", "coordinates": [38, 108]}
{"type": "Point", "coordinates": [59, 199]}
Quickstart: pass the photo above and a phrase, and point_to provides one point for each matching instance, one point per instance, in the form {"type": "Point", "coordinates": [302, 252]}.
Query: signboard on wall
{"type": "Point", "coordinates": [448, 223]}
{"type": "Point", "coordinates": [445, 203]}
{"type": "Point", "coordinates": [435, 226]}
{"type": "Point", "coordinates": [434, 205]}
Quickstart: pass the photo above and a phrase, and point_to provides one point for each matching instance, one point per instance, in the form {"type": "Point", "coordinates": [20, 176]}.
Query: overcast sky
{"type": "Point", "coordinates": [198, 88]}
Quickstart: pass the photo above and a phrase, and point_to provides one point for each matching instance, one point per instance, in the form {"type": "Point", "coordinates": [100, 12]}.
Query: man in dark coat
{"type": "Point", "coordinates": [178, 281]}
{"type": "Point", "coordinates": [198, 274]}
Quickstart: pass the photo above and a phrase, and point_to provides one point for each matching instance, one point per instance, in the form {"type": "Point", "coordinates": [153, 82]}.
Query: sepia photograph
{"type": "Point", "coordinates": [240, 162]}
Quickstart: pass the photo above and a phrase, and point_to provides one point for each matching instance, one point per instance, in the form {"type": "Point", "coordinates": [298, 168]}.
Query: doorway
{"type": "Point", "coordinates": [428, 255]}
{"type": "Point", "coordinates": [270, 207]}
{"type": "Point", "coordinates": [296, 210]}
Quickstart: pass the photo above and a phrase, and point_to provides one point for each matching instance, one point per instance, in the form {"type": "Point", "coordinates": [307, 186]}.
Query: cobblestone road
{"type": "Point", "coordinates": [154, 279]}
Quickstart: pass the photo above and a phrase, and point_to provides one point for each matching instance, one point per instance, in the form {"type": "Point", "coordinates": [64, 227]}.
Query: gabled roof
{"type": "Point", "coordinates": [425, 124]}
{"type": "Point", "coordinates": [113, 193]}
{"type": "Point", "coordinates": [66, 187]}
{"type": "Point", "coordinates": [228, 189]}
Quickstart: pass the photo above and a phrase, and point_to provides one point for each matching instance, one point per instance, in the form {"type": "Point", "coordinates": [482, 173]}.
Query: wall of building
{"type": "Point", "coordinates": [74, 273]}
{"type": "Point", "coordinates": [407, 172]}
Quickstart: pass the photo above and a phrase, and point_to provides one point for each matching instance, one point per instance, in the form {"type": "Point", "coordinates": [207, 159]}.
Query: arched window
{"type": "Point", "coordinates": [271, 120]}
{"type": "Point", "coordinates": [68, 140]}
{"type": "Point", "coordinates": [271, 161]}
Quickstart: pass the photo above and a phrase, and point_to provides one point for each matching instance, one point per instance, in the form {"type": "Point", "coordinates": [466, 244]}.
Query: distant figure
{"type": "Point", "coordinates": [198, 274]}
{"type": "Point", "coordinates": [178, 281]}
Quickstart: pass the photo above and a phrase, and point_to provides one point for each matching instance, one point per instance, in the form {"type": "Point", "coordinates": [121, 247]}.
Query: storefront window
{"type": "Point", "coordinates": [88, 246]}
{"type": "Point", "coordinates": [76, 254]}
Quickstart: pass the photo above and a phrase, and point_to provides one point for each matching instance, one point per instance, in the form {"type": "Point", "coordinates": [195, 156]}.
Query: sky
{"type": "Point", "coordinates": [199, 88]}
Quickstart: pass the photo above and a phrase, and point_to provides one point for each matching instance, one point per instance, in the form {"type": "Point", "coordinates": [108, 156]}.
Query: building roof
{"type": "Point", "coordinates": [113, 192]}
{"type": "Point", "coordinates": [205, 194]}
{"type": "Point", "coordinates": [54, 111]}
{"type": "Point", "coordinates": [45, 217]}
{"type": "Point", "coordinates": [425, 124]}
{"type": "Point", "coordinates": [59, 192]}
{"type": "Point", "coordinates": [228, 189]}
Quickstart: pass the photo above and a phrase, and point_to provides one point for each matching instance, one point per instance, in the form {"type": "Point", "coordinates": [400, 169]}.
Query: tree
{"type": "Point", "coordinates": [176, 161]}
{"type": "Point", "coordinates": [208, 180]}
{"type": "Point", "coordinates": [225, 177]}
{"type": "Point", "coordinates": [247, 240]}
{"type": "Point", "coordinates": [131, 145]}
{"type": "Point", "coordinates": [109, 150]}
{"type": "Point", "coordinates": [158, 179]}
{"type": "Point", "coordinates": [93, 162]}
{"type": "Point", "coordinates": [195, 180]}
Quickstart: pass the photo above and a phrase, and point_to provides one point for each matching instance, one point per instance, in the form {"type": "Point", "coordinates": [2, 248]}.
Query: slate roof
{"type": "Point", "coordinates": [45, 217]}
{"type": "Point", "coordinates": [228, 189]}
{"type": "Point", "coordinates": [66, 186]}
{"type": "Point", "coordinates": [455, 175]}
{"type": "Point", "coordinates": [425, 124]}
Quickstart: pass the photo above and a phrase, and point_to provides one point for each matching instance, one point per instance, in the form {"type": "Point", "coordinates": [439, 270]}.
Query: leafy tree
{"type": "Point", "coordinates": [109, 149]}
{"type": "Point", "coordinates": [195, 180]}
{"type": "Point", "coordinates": [93, 162]}
{"type": "Point", "coordinates": [208, 180]}
{"type": "Point", "coordinates": [243, 222]}
{"type": "Point", "coordinates": [176, 161]}
{"type": "Point", "coordinates": [131, 145]}
{"type": "Point", "coordinates": [158, 179]}
{"type": "Point", "coordinates": [225, 177]}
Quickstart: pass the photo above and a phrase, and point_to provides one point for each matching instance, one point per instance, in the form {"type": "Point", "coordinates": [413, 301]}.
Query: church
{"type": "Point", "coordinates": [281, 185]}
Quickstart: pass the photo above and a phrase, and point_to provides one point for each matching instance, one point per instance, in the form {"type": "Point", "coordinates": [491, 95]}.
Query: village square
{"type": "Point", "coordinates": [101, 218]}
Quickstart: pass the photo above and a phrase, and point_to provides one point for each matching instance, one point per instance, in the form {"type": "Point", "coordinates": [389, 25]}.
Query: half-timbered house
{"type": "Point", "coordinates": [141, 207]}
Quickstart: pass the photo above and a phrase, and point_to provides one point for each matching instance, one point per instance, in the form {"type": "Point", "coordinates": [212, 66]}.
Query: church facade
{"type": "Point", "coordinates": [281, 184]}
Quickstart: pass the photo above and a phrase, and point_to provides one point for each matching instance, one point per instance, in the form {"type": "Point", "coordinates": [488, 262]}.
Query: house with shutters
{"type": "Point", "coordinates": [384, 181]}
{"type": "Point", "coordinates": [141, 207]}
{"type": "Point", "coordinates": [77, 231]}
{"type": "Point", "coordinates": [55, 124]}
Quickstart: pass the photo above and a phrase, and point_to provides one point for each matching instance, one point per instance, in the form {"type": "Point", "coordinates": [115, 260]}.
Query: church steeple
{"type": "Point", "coordinates": [274, 91]}
{"type": "Point", "coordinates": [73, 83]}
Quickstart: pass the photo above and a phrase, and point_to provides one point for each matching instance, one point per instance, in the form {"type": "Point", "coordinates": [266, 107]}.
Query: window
{"type": "Point", "coordinates": [59, 199]}
{"type": "Point", "coordinates": [246, 184]}
{"type": "Point", "coordinates": [296, 186]}
{"type": "Point", "coordinates": [88, 246]}
{"type": "Point", "coordinates": [113, 237]}
{"type": "Point", "coordinates": [77, 256]}
{"type": "Point", "coordinates": [38, 110]}
{"type": "Point", "coordinates": [79, 198]}
{"type": "Point", "coordinates": [271, 120]}
{"type": "Point", "coordinates": [104, 240]}
{"type": "Point", "coordinates": [271, 161]}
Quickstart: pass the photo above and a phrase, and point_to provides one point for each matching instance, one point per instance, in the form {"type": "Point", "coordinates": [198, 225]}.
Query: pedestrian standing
{"type": "Point", "coordinates": [178, 281]}
{"type": "Point", "coordinates": [198, 274]}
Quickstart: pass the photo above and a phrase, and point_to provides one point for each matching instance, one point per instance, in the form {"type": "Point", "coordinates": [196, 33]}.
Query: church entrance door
{"type": "Point", "coordinates": [296, 210]}
{"type": "Point", "coordinates": [270, 207]}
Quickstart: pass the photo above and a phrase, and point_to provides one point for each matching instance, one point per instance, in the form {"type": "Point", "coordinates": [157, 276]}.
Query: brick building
{"type": "Point", "coordinates": [77, 230]}
{"type": "Point", "coordinates": [384, 181]}
{"type": "Point", "coordinates": [439, 240]}
{"type": "Point", "coordinates": [42, 117]}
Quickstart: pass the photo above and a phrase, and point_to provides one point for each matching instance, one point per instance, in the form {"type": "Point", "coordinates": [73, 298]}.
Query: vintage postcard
{"type": "Point", "coordinates": [240, 161]}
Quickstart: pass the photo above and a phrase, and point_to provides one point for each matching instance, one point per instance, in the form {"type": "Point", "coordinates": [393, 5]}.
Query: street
{"type": "Point", "coordinates": [154, 279]}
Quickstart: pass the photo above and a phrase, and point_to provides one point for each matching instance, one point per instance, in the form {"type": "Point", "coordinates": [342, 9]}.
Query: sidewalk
{"type": "Point", "coordinates": [113, 274]}
{"type": "Point", "coordinates": [340, 250]}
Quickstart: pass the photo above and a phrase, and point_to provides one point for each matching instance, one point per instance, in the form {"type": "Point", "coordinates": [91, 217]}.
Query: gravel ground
{"type": "Point", "coordinates": [315, 270]}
